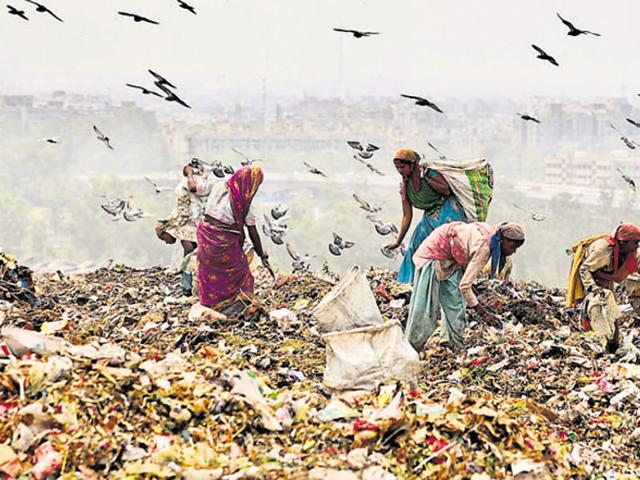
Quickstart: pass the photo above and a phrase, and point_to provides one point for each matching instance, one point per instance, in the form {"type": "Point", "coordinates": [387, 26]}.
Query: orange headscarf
{"type": "Point", "coordinates": [409, 155]}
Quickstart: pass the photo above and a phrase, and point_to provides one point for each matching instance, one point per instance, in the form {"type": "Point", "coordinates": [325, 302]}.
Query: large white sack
{"type": "Point", "coordinates": [363, 358]}
{"type": "Point", "coordinates": [349, 304]}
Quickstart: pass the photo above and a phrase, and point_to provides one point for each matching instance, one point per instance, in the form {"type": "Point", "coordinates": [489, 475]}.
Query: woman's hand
{"type": "Point", "coordinates": [392, 246]}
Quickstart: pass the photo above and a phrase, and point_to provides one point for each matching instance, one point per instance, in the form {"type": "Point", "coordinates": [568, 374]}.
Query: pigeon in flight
{"type": "Point", "coordinates": [247, 161]}
{"type": "Point", "coordinates": [160, 80]}
{"type": "Point", "coordinates": [366, 206]}
{"type": "Point", "coordinates": [274, 230]}
{"type": "Point", "coordinates": [186, 6]}
{"type": "Point", "coordinates": [113, 207]}
{"type": "Point", "coordinates": [441, 155]}
{"type": "Point", "coordinates": [381, 227]}
{"type": "Point", "coordinates": [52, 140]}
{"type": "Point", "coordinates": [363, 152]}
{"type": "Point", "coordinates": [573, 31]}
{"type": "Point", "coordinates": [534, 216]}
{"type": "Point", "coordinates": [633, 122]}
{"type": "Point", "coordinates": [158, 188]}
{"type": "Point", "coordinates": [42, 9]}
{"type": "Point", "coordinates": [392, 254]}
{"type": "Point", "coordinates": [369, 166]}
{"type": "Point", "coordinates": [279, 211]}
{"type": "Point", "coordinates": [628, 179]}
{"type": "Point", "coordinates": [542, 55]}
{"type": "Point", "coordinates": [138, 18]}
{"type": "Point", "coordinates": [528, 118]}
{"type": "Point", "coordinates": [356, 33]}
{"type": "Point", "coordinates": [423, 102]}
{"type": "Point", "coordinates": [339, 244]}
{"type": "Point", "coordinates": [314, 170]}
{"type": "Point", "coordinates": [100, 136]}
{"type": "Point", "coordinates": [131, 213]}
{"type": "Point", "coordinates": [301, 263]}
{"type": "Point", "coordinates": [627, 141]}
{"type": "Point", "coordinates": [144, 90]}
{"type": "Point", "coordinates": [16, 12]}
{"type": "Point", "coordinates": [171, 96]}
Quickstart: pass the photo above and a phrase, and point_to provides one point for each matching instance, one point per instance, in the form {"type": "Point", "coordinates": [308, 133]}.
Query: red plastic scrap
{"type": "Point", "coordinates": [480, 361]}
{"type": "Point", "coordinates": [360, 425]}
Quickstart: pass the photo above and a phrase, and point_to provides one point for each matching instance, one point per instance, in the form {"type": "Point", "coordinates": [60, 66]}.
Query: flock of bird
{"type": "Point", "coordinates": [274, 227]}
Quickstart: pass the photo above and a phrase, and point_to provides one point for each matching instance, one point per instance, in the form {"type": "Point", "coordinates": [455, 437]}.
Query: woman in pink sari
{"type": "Point", "coordinates": [224, 274]}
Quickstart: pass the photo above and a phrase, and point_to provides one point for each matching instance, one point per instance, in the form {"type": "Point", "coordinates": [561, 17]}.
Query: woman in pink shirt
{"type": "Point", "coordinates": [447, 263]}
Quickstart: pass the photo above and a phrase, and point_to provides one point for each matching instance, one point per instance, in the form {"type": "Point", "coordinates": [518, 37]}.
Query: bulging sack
{"type": "Point", "coordinates": [363, 358]}
{"type": "Point", "coordinates": [349, 304]}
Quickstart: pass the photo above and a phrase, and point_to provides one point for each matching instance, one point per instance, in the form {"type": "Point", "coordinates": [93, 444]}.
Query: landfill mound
{"type": "Point", "coordinates": [134, 388]}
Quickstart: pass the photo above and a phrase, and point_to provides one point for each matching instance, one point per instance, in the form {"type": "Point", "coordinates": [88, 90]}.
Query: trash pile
{"type": "Point", "coordinates": [16, 281]}
{"type": "Point", "coordinates": [114, 379]}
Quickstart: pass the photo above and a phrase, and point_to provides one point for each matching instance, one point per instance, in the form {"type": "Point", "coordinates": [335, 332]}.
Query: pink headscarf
{"type": "Point", "coordinates": [625, 232]}
{"type": "Point", "coordinates": [242, 187]}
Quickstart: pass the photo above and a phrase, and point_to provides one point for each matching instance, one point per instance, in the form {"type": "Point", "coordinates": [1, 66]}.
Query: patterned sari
{"type": "Point", "coordinates": [224, 275]}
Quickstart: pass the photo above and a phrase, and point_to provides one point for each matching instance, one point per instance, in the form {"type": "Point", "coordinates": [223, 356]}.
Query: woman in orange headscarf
{"type": "Point", "coordinates": [426, 190]}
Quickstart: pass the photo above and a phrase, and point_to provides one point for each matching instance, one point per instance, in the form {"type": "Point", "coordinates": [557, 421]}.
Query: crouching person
{"type": "Point", "coordinates": [447, 264]}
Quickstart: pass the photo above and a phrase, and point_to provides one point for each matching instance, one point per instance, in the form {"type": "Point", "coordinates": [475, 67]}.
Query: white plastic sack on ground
{"type": "Point", "coordinates": [364, 357]}
{"type": "Point", "coordinates": [200, 312]}
{"type": "Point", "coordinates": [603, 311]}
{"type": "Point", "coordinates": [350, 304]}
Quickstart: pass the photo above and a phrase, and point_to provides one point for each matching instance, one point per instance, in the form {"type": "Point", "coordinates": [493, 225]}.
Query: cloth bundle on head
{"type": "Point", "coordinates": [510, 231]}
{"type": "Point", "coordinates": [624, 233]}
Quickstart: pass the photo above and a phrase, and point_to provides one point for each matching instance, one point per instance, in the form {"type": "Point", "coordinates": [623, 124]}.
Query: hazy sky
{"type": "Point", "coordinates": [443, 48]}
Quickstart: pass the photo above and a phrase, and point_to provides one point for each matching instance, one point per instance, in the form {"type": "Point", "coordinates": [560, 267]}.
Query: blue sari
{"type": "Point", "coordinates": [451, 211]}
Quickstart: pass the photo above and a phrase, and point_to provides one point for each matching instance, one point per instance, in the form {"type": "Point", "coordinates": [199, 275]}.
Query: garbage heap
{"type": "Point", "coordinates": [112, 379]}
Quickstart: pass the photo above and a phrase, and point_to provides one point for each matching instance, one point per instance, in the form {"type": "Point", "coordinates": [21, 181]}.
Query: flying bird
{"type": "Point", "coordinates": [423, 102]}
{"type": "Point", "coordinates": [527, 117]}
{"type": "Point", "coordinates": [171, 96]}
{"type": "Point", "coordinates": [144, 90]}
{"type": "Point", "coordinates": [339, 244]}
{"type": "Point", "coordinates": [186, 6]}
{"type": "Point", "coordinates": [381, 227]}
{"type": "Point", "coordinates": [138, 18]}
{"type": "Point", "coordinates": [573, 31]}
{"type": "Point", "coordinates": [628, 179]}
{"type": "Point", "coordinates": [369, 166]}
{"type": "Point", "coordinates": [441, 155]}
{"type": "Point", "coordinates": [633, 122]}
{"type": "Point", "coordinates": [113, 207]}
{"type": "Point", "coordinates": [542, 55]}
{"type": "Point", "coordinates": [53, 140]}
{"type": "Point", "coordinates": [100, 136]}
{"type": "Point", "coordinates": [363, 152]}
{"type": "Point", "coordinates": [274, 230]}
{"type": "Point", "coordinates": [366, 206]}
{"type": "Point", "coordinates": [627, 141]}
{"type": "Point", "coordinates": [279, 211]}
{"type": "Point", "coordinates": [301, 263]}
{"type": "Point", "coordinates": [42, 9]}
{"type": "Point", "coordinates": [158, 189]}
{"type": "Point", "coordinates": [314, 170]}
{"type": "Point", "coordinates": [392, 254]}
{"type": "Point", "coordinates": [356, 33]}
{"type": "Point", "coordinates": [131, 213]}
{"type": "Point", "coordinates": [16, 12]}
{"type": "Point", "coordinates": [534, 216]}
{"type": "Point", "coordinates": [160, 80]}
{"type": "Point", "coordinates": [247, 161]}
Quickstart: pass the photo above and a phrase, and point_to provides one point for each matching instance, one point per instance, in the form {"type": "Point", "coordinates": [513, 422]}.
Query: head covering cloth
{"type": "Point", "coordinates": [624, 233]}
{"type": "Point", "coordinates": [242, 187]}
{"type": "Point", "coordinates": [409, 155]}
{"type": "Point", "coordinates": [509, 231]}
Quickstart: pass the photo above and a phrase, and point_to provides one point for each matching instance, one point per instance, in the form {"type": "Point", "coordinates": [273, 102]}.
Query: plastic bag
{"type": "Point", "coordinates": [350, 304]}
{"type": "Point", "coordinates": [364, 357]}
